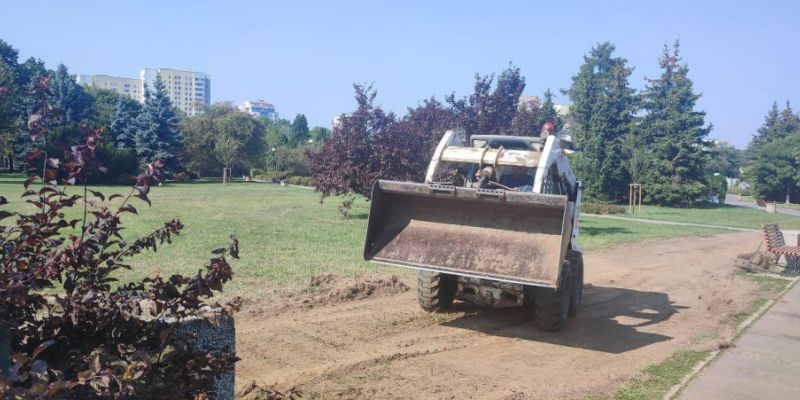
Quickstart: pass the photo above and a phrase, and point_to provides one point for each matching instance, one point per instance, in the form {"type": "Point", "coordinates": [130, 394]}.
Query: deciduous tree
{"type": "Point", "coordinates": [490, 109]}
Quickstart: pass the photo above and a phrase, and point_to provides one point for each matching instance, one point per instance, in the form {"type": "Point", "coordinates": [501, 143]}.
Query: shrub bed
{"type": "Point", "coordinates": [600, 208]}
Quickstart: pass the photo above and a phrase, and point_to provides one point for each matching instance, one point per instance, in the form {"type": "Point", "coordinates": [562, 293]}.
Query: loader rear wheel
{"type": "Point", "coordinates": [436, 291]}
{"type": "Point", "coordinates": [576, 262]}
{"type": "Point", "coordinates": [551, 307]}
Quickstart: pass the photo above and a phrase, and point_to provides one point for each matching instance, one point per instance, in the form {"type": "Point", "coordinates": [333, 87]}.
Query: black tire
{"type": "Point", "coordinates": [576, 262]}
{"type": "Point", "coordinates": [435, 291]}
{"type": "Point", "coordinates": [551, 307]}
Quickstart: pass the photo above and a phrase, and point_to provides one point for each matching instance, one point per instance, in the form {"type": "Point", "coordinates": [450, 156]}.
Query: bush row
{"type": "Point", "coordinates": [302, 181]}
{"type": "Point", "coordinates": [600, 208]}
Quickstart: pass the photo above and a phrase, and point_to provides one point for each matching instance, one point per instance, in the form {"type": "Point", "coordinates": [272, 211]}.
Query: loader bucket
{"type": "Point", "coordinates": [500, 235]}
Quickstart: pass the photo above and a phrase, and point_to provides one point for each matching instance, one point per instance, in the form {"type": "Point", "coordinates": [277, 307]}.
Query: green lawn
{"type": "Point", "coordinates": [725, 215]}
{"type": "Point", "coordinates": [656, 380]}
{"type": "Point", "coordinates": [286, 235]}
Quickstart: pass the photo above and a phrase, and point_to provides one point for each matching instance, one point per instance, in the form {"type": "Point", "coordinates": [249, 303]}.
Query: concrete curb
{"type": "Point", "coordinates": [741, 329]}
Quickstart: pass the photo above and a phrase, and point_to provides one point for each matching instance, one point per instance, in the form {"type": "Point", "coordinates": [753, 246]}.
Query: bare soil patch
{"type": "Point", "coordinates": [642, 302]}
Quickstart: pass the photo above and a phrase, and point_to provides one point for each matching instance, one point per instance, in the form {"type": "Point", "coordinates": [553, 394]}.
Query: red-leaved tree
{"type": "Point", "coordinates": [75, 332]}
{"type": "Point", "coordinates": [370, 144]}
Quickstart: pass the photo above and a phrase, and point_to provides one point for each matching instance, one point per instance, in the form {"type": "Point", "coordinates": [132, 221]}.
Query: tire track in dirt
{"type": "Point", "coordinates": [642, 302]}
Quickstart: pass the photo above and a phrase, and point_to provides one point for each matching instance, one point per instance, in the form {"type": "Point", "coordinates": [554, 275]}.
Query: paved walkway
{"type": "Point", "coordinates": [765, 364]}
{"type": "Point", "coordinates": [660, 222]}
{"type": "Point", "coordinates": [731, 199]}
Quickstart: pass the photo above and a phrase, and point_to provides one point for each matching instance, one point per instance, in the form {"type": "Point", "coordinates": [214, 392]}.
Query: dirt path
{"type": "Point", "coordinates": [642, 302]}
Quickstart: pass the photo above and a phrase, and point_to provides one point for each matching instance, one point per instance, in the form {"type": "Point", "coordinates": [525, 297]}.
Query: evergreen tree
{"type": "Point", "coordinates": [70, 97]}
{"type": "Point", "coordinates": [9, 96]}
{"type": "Point", "coordinates": [773, 167]}
{"type": "Point", "coordinates": [158, 134]}
{"type": "Point", "coordinates": [549, 113]}
{"type": "Point", "coordinates": [601, 115]}
{"type": "Point", "coordinates": [778, 124]}
{"type": "Point", "coordinates": [28, 73]}
{"type": "Point", "coordinates": [298, 134]}
{"type": "Point", "coordinates": [775, 172]}
{"type": "Point", "coordinates": [675, 135]}
{"type": "Point", "coordinates": [124, 126]}
{"type": "Point", "coordinates": [764, 133]}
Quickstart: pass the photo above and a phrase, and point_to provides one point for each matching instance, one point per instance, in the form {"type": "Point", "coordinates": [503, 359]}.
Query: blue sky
{"type": "Point", "coordinates": [305, 56]}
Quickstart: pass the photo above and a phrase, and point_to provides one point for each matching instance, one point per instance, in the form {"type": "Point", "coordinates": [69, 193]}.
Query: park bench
{"type": "Point", "coordinates": [776, 245]}
{"type": "Point", "coordinates": [761, 203]}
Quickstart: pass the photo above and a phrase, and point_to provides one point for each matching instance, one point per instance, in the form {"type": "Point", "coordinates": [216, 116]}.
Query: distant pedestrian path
{"type": "Point", "coordinates": [660, 222]}
{"type": "Point", "coordinates": [731, 199]}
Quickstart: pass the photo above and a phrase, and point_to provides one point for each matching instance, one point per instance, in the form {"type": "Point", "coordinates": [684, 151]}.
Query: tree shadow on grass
{"type": "Point", "coordinates": [611, 320]}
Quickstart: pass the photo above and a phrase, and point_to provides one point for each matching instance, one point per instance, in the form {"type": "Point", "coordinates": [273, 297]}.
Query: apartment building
{"type": "Point", "coordinates": [259, 108]}
{"type": "Point", "coordinates": [189, 91]}
{"type": "Point", "coordinates": [130, 87]}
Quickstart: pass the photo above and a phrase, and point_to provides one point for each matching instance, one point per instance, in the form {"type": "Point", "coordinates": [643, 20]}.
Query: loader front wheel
{"type": "Point", "coordinates": [436, 291]}
{"type": "Point", "coordinates": [551, 307]}
{"type": "Point", "coordinates": [576, 262]}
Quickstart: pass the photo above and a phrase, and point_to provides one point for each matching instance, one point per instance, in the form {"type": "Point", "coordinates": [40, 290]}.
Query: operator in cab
{"type": "Point", "coordinates": [518, 179]}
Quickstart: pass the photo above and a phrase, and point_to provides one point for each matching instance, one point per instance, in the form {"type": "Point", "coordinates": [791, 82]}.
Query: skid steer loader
{"type": "Point", "coordinates": [495, 223]}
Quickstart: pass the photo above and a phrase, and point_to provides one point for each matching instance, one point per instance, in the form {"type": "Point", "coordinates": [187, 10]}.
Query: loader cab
{"type": "Point", "coordinates": [511, 176]}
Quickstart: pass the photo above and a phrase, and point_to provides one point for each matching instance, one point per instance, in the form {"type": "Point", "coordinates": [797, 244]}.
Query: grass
{"type": "Point", "coordinates": [656, 380]}
{"type": "Point", "coordinates": [768, 288]}
{"type": "Point", "coordinates": [724, 215]}
{"type": "Point", "coordinates": [596, 233]}
{"type": "Point", "coordinates": [286, 235]}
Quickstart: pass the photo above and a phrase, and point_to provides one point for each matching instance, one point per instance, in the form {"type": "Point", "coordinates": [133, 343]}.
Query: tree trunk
{"type": "Point", "coordinates": [226, 175]}
{"type": "Point", "coordinates": [787, 194]}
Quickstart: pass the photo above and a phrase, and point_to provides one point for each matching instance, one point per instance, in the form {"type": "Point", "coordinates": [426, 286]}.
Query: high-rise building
{"type": "Point", "coordinates": [130, 87]}
{"type": "Point", "coordinates": [190, 91]}
{"type": "Point", "coordinates": [259, 108]}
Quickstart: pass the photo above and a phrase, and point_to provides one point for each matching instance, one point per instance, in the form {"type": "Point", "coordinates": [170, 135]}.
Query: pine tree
{"type": "Point", "coordinates": [774, 155]}
{"type": "Point", "coordinates": [70, 97]}
{"type": "Point", "coordinates": [549, 113]}
{"type": "Point", "coordinates": [675, 135]}
{"type": "Point", "coordinates": [158, 135]}
{"type": "Point", "coordinates": [601, 115]}
{"type": "Point", "coordinates": [124, 125]}
{"type": "Point", "coordinates": [764, 133]}
{"type": "Point", "coordinates": [778, 124]}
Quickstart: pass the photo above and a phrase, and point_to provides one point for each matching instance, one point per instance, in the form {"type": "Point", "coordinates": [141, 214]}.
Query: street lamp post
{"type": "Point", "coordinates": [276, 159]}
